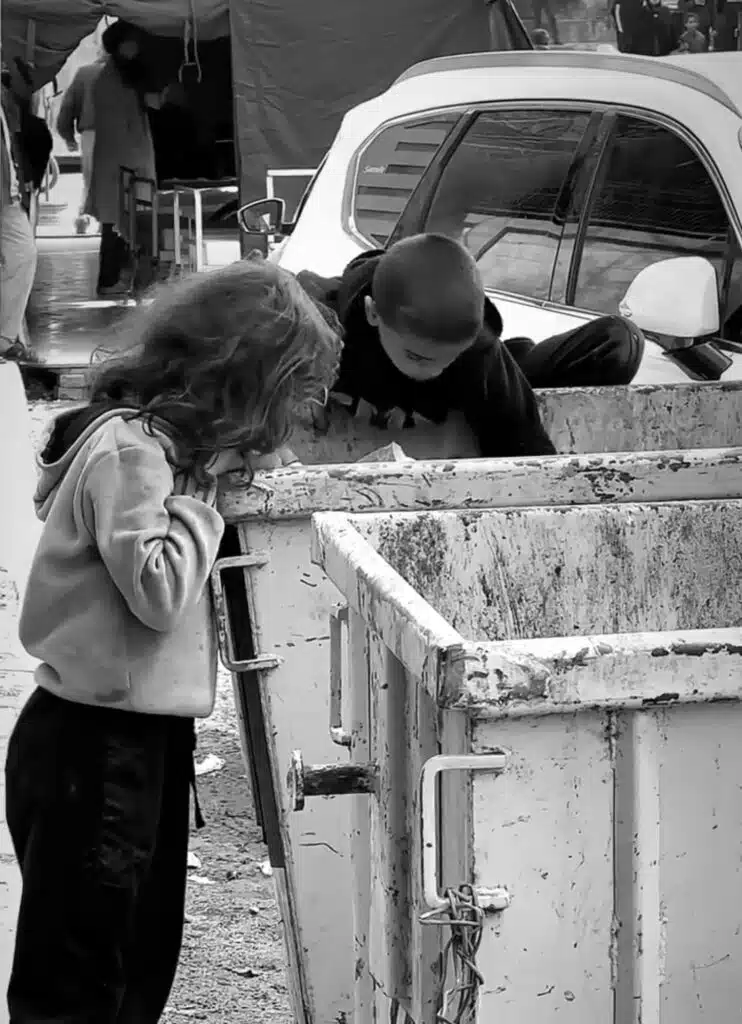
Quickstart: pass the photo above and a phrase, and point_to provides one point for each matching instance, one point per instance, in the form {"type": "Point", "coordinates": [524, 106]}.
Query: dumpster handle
{"type": "Point", "coordinates": [490, 899]}
{"type": "Point", "coordinates": [221, 614]}
{"type": "Point", "coordinates": [338, 616]}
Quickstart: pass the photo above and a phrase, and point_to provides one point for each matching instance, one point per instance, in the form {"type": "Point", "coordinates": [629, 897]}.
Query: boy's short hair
{"type": "Point", "coordinates": [428, 286]}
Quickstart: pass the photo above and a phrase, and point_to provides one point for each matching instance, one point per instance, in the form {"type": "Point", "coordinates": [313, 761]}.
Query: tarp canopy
{"type": "Point", "coordinates": [45, 32]}
{"type": "Point", "coordinates": [299, 67]}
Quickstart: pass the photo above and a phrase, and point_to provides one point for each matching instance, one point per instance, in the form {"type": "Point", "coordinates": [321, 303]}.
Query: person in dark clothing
{"type": "Point", "coordinates": [421, 336]}
{"type": "Point", "coordinates": [627, 16]}
{"type": "Point", "coordinates": [658, 34]}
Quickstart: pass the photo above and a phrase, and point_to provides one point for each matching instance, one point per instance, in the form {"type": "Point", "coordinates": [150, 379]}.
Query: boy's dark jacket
{"type": "Point", "coordinates": [485, 383]}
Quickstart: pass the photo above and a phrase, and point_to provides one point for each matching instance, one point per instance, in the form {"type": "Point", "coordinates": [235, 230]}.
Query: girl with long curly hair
{"type": "Point", "coordinates": [117, 610]}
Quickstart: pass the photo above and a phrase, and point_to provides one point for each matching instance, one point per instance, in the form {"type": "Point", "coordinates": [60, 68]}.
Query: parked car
{"type": "Point", "coordinates": [565, 173]}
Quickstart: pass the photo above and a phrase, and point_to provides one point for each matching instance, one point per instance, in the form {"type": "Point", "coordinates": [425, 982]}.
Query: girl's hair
{"type": "Point", "coordinates": [225, 359]}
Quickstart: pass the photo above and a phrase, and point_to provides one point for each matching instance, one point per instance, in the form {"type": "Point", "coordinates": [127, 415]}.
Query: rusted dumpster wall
{"type": "Point", "coordinates": [579, 420]}
{"type": "Point", "coordinates": [290, 601]}
{"type": "Point", "coordinates": [647, 418]}
{"type": "Point", "coordinates": [619, 787]}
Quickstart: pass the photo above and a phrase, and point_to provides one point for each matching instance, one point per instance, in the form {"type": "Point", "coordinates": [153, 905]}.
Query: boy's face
{"type": "Point", "coordinates": [692, 23]}
{"type": "Point", "coordinates": [415, 357]}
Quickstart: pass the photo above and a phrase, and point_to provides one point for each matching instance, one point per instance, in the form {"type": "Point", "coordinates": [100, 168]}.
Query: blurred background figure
{"type": "Point", "coordinates": [541, 39]}
{"type": "Point", "coordinates": [543, 11]}
{"type": "Point", "coordinates": [77, 118]}
{"type": "Point", "coordinates": [707, 15]}
{"type": "Point", "coordinates": [123, 139]}
{"type": "Point", "coordinates": [692, 40]}
{"type": "Point", "coordinates": [17, 244]}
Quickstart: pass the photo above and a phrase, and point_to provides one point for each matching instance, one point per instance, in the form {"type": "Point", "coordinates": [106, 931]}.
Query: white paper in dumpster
{"type": "Point", "coordinates": [389, 453]}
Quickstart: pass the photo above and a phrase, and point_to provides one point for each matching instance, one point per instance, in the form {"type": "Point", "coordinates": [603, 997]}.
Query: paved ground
{"type": "Point", "coordinates": [66, 321]}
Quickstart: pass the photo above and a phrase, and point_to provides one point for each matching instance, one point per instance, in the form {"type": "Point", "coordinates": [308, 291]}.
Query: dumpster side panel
{"type": "Point", "coordinates": [469, 567]}
{"type": "Point", "coordinates": [544, 830]}
{"type": "Point", "coordinates": [291, 602]}
{"type": "Point", "coordinates": [337, 436]}
{"type": "Point", "coordinates": [298, 492]}
{"type": "Point", "coordinates": [701, 868]}
{"type": "Point", "coordinates": [403, 955]}
{"type": "Point", "coordinates": [647, 418]}
{"type": "Point", "coordinates": [610, 419]}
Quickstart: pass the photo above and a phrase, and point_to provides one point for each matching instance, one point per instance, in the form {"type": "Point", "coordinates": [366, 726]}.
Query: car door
{"type": "Point", "coordinates": [651, 195]}
{"type": "Point", "coordinates": [503, 186]}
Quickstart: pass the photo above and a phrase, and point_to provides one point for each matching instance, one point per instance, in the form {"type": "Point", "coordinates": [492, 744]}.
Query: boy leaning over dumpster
{"type": "Point", "coordinates": [420, 336]}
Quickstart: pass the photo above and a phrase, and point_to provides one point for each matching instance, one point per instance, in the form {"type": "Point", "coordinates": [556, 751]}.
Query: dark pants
{"type": "Point", "coordinates": [607, 351]}
{"type": "Point", "coordinates": [97, 805]}
{"type": "Point", "coordinates": [114, 256]}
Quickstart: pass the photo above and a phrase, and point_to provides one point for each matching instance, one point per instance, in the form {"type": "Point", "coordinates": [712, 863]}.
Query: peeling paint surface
{"type": "Point", "coordinates": [614, 419]}
{"type": "Point", "coordinates": [601, 647]}
{"type": "Point", "coordinates": [299, 491]}
{"type": "Point", "coordinates": [598, 569]}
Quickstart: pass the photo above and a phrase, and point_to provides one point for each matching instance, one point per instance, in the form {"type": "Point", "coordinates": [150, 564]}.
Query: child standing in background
{"type": "Point", "coordinates": [692, 40]}
{"type": "Point", "coordinates": [117, 610]}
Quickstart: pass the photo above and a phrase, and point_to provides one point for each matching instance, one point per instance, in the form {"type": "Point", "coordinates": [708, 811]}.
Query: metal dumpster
{"type": "Point", "coordinates": [578, 420]}
{"type": "Point", "coordinates": [546, 717]}
{"type": "Point", "coordinates": [276, 605]}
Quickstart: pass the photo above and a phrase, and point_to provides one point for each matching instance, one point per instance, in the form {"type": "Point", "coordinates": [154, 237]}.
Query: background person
{"type": "Point", "coordinates": [421, 336]}
{"type": "Point", "coordinates": [541, 39]}
{"type": "Point", "coordinates": [123, 139]}
{"type": "Point", "coordinates": [17, 244]}
{"type": "Point", "coordinates": [692, 40]}
{"type": "Point", "coordinates": [77, 117]}
{"type": "Point", "coordinates": [706, 12]}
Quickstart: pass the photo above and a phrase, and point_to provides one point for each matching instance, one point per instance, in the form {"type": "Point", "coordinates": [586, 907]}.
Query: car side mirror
{"type": "Point", "coordinates": [263, 217]}
{"type": "Point", "coordinates": [676, 299]}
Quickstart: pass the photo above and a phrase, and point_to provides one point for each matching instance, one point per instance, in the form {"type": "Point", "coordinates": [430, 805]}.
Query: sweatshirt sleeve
{"type": "Point", "coordinates": [158, 546]}
{"type": "Point", "coordinates": [501, 408]}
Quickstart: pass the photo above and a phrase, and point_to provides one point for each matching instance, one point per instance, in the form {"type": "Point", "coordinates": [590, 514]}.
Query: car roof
{"type": "Point", "coordinates": [718, 75]}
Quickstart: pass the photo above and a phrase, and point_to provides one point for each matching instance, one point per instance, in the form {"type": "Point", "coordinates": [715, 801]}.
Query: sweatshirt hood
{"type": "Point", "coordinates": [70, 432]}
{"type": "Point", "coordinates": [356, 283]}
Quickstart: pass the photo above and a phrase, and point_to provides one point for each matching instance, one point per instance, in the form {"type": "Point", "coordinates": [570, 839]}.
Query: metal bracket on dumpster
{"type": "Point", "coordinates": [260, 662]}
{"type": "Point", "coordinates": [338, 618]}
{"type": "Point", "coordinates": [496, 762]}
{"type": "Point", "coordinates": [327, 780]}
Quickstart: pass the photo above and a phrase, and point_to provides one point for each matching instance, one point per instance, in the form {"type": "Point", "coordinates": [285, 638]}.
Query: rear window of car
{"type": "Point", "coordinates": [390, 169]}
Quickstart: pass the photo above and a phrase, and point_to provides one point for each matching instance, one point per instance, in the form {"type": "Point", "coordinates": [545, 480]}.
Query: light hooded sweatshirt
{"type": "Point", "coordinates": [117, 606]}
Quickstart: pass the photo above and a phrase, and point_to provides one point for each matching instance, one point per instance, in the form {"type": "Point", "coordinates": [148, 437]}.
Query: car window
{"type": "Point", "coordinates": [654, 199]}
{"type": "Point", "coordinates": [499, 193]}
{"type": "Point", "coordinates": [389, 170]}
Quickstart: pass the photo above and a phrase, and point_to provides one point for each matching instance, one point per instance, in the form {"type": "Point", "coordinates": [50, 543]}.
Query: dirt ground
{"type": "Point", "coordinates": [232, 968]}
{"type": "Point", "coordinates": [232, 965]}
